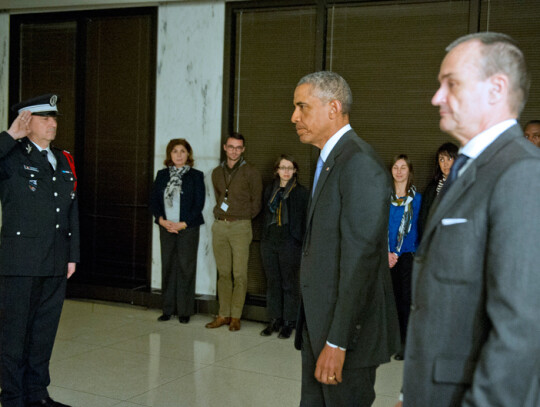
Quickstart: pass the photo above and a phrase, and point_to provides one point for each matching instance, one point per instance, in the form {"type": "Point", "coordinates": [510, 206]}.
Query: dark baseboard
{"type": "Point", "coordinates": [254, 308]}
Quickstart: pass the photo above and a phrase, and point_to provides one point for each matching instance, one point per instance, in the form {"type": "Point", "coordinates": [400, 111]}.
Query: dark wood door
{"type": "Point", "coordinates": [118, 145]}
{"type": "Point", "coordinates": [102, 64]}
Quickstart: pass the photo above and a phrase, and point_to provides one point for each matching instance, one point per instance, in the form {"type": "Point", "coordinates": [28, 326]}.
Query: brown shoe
{"type": "Point", "coordinates": [218, 321]}
{"type": "Point", "coordinates": [235, 324]}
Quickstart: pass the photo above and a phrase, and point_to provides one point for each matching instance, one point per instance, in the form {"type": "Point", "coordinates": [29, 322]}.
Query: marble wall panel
{"type": "Point", "coordinates": [188, 105]}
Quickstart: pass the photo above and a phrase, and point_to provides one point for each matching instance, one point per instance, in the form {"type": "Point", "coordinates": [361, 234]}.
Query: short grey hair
{"type": "Point", "coordinates": [501, 54]}
{"type": "Point", "coordinates": [330, 86]}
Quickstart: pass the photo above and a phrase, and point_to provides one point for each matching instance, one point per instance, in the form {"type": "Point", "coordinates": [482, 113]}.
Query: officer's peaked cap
{"type": "Point", "coordinates": [44, 105]}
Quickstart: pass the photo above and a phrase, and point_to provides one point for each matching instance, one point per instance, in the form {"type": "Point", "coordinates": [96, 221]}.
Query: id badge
{"type": "Point", "coordinates": [224, 206]}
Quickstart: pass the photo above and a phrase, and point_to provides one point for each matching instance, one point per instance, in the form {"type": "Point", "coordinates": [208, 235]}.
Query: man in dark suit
{"type": "Point", "coordinates": [474, 330]}
{"type": "Point", "coordinates": [39, 250]}
{"type": "Point", "coordinates": [347, 324]}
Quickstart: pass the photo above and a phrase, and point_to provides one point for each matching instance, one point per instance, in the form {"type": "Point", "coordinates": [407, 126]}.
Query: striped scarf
{"type": "Point", "coordinates": [440, 184]}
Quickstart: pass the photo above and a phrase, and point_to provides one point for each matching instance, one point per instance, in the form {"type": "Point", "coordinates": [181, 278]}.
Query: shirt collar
{"type": "Point", "coordinates": [332, 141]}
{"type": "Point", "coordinates": [480, 142]}
{"type": "Point", "coordinates": [40, 149]}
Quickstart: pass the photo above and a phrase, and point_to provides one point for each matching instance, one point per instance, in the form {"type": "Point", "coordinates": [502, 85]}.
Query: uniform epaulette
{"type": "Point", "coordinates": [58, 149]}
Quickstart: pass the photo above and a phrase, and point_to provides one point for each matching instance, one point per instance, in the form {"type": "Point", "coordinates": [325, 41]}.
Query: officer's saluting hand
{"type": "Point", "coordinates": [20, 127]}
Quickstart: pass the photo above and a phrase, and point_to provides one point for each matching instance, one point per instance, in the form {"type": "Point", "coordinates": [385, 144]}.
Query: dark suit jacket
{"type": "Point", "coordinates": [345, 280]}
{"type": "Point", "coordinates": [191, 199]}
{"type": "Point", "coordinates": [429, 195]}
{"type": "Point", "coordinates": [474, 329]}
{"type": "Point", "coordinates": [40, 218]}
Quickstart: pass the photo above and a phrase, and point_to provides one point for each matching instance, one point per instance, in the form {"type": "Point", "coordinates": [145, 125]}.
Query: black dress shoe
{"type": "Point", "coordinates": [48, 402]}
{"type": "Point", "coordinates": [273, 326]}
{"type": "Point", "coordinates": [183, 320]}
{"type": "Point", "coordinates": [164, 317]}
{"type": "Point", "coordinates": [286, 330]}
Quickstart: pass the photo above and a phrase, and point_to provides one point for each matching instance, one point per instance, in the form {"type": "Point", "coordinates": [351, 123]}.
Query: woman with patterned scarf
{"type": "Point", "coordinates": [285, 202]}
{"type": "Point", "coordinates": [177, 201]}
{"type": "Point", "coordinates": [403, 239]}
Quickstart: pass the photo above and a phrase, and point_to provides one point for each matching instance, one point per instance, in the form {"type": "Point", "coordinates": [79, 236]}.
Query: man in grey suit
{"type": "Point", "coordinates": [474, 329]}
{"type": "Point", "coordinates": [347, 324]}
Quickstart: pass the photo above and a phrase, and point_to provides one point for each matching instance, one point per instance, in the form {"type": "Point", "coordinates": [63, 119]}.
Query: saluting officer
{"type": "Point", "coordinates": [39, 249]}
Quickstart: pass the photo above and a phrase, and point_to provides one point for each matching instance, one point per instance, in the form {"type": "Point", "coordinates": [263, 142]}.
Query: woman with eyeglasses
{"type": "Point", "coordinates": [403, 239]}
{"type": "Point", "coordinates": [177, 201]}
{"type": "Point", "coordinates": [285, 203]}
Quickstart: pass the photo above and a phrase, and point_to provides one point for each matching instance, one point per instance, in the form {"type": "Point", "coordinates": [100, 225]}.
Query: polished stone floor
{"type": "Point", "coordinates": [118, 355]}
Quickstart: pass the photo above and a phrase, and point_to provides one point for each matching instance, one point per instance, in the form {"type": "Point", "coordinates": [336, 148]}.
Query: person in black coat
{"type": "Point", "coordinates": [445, 156]}
{"type": "Point", "coordinates": [39, 249]}
{"type": "Point", "coordinates": [177, 201]}
{"type": "Point", "coordinates": [285, 203]}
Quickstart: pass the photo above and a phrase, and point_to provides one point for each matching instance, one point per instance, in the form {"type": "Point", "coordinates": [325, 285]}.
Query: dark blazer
{"type": "Point", "coordinates": [296, 206]}
{"type": "Point", "coordinates": [428, 196]}
{"type": "Point", "coordinates": [474, 329]}
{"type": "Point", "coordinates": [344, 277]}
{"type": "Point", "coordinates": [191, 199]}
{"type": "Point", "coordinates": [40, 218]}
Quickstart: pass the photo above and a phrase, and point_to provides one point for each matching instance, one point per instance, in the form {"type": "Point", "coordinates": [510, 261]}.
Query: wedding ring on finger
{"type": "Point", "coordinates": [330, 378]}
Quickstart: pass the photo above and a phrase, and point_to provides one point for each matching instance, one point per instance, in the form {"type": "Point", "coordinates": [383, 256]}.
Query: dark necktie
{"type": "Point", "coordinates": [45, 155]}
{"type": "Point", "coordinates": [458, 164]}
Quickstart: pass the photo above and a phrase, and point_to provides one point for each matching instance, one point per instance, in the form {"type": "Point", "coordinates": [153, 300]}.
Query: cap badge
{"type": "Point", "coordinates": [53, 100]}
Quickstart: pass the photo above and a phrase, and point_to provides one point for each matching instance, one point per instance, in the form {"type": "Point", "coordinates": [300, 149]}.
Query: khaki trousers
{"type": "Point", "coordinates": [231, 242]}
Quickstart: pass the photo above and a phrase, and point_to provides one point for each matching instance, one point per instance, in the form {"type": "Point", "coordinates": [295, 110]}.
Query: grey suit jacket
{"type": "Point", "coordinates": [474, 329]}
{"type": "Point", "coordinates": [345, 282]}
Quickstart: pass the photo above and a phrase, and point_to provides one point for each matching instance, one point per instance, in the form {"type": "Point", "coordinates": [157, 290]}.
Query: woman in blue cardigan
{"type": "Point", "coordinates": [403, 239]}
{"type": "Point", "coordinates": [177, 201]}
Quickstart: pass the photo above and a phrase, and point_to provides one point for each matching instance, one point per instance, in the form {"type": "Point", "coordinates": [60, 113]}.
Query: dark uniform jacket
{"type": "Point", "coordinates": [40, 219]}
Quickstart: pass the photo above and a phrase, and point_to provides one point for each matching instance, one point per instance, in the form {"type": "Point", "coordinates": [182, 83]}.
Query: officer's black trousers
{"type": "Point", "coordinates": [30, 309]}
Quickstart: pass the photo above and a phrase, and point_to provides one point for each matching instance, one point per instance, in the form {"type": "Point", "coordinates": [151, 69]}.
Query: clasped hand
{"type": "Point", "coordinates": [172, 227]}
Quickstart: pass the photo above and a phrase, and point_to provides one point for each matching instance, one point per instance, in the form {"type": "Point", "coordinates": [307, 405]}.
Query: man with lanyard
{"type": "Point", "coordinates": [238, 189]}
{"type": "Point", "coordinates": [39, 249]}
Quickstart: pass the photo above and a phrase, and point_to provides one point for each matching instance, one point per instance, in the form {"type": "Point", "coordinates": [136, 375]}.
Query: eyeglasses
{"type": "Point", "coordinates": [286, 168]}
{"type": "Point", "coordinates": [233, 148]}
